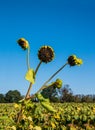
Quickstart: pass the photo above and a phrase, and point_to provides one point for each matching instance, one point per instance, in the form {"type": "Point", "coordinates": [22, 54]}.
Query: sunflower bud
{"type": "Point", "coordinates": [23, 43]}
{"type": "Point", "coordinates": [73, 60]}
{"type": "Point", "coordinates": [46, 54]}
{"type": "Point", "coordinates": [58, 83]}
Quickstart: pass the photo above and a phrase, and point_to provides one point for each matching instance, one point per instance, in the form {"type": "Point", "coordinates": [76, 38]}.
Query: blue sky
{"type": "Point", "coordinates": [66, 25]}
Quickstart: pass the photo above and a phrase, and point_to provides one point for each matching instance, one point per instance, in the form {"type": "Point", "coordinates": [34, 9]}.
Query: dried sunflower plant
{"type": "Point", "coordinates": [24, 118]}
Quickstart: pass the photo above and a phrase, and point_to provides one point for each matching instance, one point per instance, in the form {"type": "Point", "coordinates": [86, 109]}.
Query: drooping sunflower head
{"type": "Point", "coordinates": [58, 83]}
{"type": "Point", "coordinates": [23, 43]}
{"type": "Point", "coordinates": [73, 60]}
{"type": "Point", "coordinates": [46, 54]}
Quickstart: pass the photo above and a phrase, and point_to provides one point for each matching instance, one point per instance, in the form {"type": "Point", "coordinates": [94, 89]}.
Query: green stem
{"type": "Point", "coordinates": [38, 67]}
{"type": "Point", "coordinates": [55, 73]}
{"type": "Point", "coordinates": [28, 59]}
{"type": "Point", "coordinates": [29, 89]}
{"type": "Point", "coordinates": [43, 86]}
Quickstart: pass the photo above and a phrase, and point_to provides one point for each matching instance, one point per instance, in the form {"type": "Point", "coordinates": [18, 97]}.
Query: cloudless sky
{"type": "Point", "coordinates": [66, 25]}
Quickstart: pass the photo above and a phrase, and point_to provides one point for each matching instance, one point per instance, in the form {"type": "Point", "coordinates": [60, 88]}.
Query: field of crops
{"type": "Point", "coordinates": [69, 116]}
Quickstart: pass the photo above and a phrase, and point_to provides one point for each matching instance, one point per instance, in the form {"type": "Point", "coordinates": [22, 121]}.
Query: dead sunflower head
{"type": "Point", "coordinates": [73, 60]}
{"type": "Point", "coordinates": [23, 43]}
{"type": "Point", "coordinates": [46, 54]}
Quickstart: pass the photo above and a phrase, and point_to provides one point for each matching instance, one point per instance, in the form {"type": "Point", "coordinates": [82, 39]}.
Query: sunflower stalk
{"type": "Point", "coordinates": [38, 67]}
{"type": "Point", "coordinates": [27, 58]}
{"type": "Point", "coordinates": [30, 86]}
{"type": "Point", "coordinates": [29, 89]}
{"type": "Point", "coordinates": [44, 85]}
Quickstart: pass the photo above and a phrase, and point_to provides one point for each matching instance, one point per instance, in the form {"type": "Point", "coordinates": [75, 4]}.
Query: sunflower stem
{"type": "Point", "coordinates": [30, 86]}
{"type": "Point", "coordinates": [43, 86]}
{"type": "Point", "coordinates": [27, 58]}
{"type": "Point", "coordinates": [55, 73]}
{"type": "Point", "coordinates": [38, 67]}
{"type": "Point", "coordinates": [29, 89]}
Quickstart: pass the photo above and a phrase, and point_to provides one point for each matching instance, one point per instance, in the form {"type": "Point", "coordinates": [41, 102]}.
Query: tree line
{"type": "Point", "coordinates": [62, 95]}
{"type": "Point", "coordinates": [10, 97]}
{"type": "Point", "coordinates": [65, 94]}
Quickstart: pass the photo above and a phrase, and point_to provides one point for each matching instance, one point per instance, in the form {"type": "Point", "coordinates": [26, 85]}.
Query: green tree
{"type": "Point", "coordinates": [2, 98]}
{"type": "Point", "coordinates": [13, 96]}
{"type": "Point", "coordinates": [51, 93]}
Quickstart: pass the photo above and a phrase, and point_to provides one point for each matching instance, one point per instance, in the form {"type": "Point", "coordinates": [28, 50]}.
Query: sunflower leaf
{"type": "Point", "coordinates": [30, 76]}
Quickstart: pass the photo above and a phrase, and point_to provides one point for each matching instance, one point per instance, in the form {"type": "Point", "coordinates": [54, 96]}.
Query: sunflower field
{"type": "Point", "coordinates": [68, 116]}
